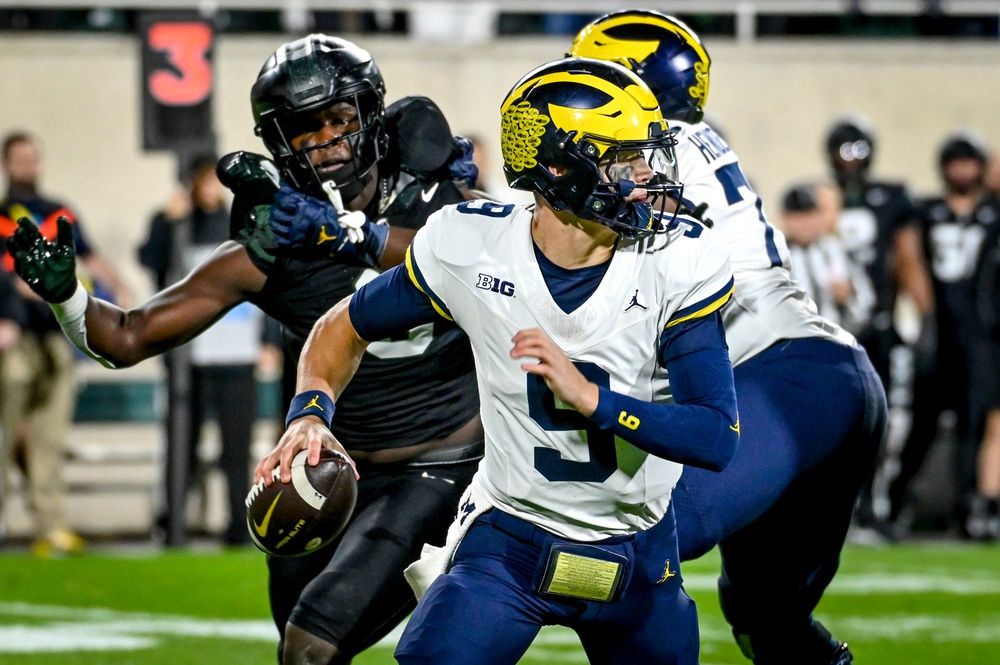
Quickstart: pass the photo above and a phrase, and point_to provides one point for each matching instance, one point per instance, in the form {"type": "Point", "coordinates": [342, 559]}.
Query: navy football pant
{"type": "Point", "coordinates": [352, 592]}
{"type": "Point", "coordinates": [487, 609]}
{"type": "Point", "coordinates": [813, 417]}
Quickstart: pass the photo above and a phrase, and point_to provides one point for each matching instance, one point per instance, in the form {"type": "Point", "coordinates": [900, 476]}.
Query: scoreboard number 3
{"type": "Point", "coordinates": [188, 79]}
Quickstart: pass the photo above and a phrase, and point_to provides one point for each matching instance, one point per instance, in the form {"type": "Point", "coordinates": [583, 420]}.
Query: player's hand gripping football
{"type": "Point", "coordinates": [300, 221]}
{"type": "Point", "coordinates": [306, 433]}
{"type": "Point", "coordinates": [49, 268]}
{"type": "Point", "coordinates": [562, 378]}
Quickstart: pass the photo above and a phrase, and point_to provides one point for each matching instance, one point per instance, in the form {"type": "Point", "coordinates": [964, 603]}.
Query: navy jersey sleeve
{"type": "Point", "coordinates": [702, 427]}
{"type": "Point", "coordinates": [390, 305]}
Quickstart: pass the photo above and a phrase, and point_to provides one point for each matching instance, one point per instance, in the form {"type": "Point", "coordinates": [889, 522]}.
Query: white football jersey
{"type": "Point", "coordinates": [545, 462]}
{"type": "Point", "coordinates": [768, 305]}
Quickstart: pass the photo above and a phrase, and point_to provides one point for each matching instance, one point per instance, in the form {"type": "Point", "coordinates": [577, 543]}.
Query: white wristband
{"type": "Point", "coordinates": [72, 317]}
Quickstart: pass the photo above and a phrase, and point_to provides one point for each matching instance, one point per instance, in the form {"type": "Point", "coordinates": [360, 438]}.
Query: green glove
{"type": "Point", "coordinates": [257, 236]}
{"type": "Point", "coordinates": [49, 268]}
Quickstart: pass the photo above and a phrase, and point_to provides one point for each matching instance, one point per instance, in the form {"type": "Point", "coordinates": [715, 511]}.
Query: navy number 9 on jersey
{"type": "Point", "coordinates": [601, 444]}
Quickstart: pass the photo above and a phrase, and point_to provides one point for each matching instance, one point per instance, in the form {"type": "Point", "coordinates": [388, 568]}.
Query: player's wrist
{"type": "Point", "coordinates": [311, 403]}
{"type": "Point", "coordinates": [376, 239]}
{"type": "Point", "coordinates": [605, 413]}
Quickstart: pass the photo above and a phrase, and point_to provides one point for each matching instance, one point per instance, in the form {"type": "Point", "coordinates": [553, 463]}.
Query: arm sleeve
{"type": "Point", "coordinates": [390, 305]}
{"type": "Point", "coordinates": [702, 427]}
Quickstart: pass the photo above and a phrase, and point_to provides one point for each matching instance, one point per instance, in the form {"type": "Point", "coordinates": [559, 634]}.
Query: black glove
{"type": "Point", "coordinates": [249, 175]}
{"type": "Point", "coordinates": [49, 268]}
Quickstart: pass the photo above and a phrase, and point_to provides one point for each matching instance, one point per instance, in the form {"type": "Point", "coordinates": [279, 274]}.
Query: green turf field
{"type": "Point", "coordinates": [938, 605]}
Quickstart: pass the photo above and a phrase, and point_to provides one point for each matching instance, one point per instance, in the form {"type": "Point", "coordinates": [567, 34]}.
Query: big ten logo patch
{"type": "Point", "coordinates": [495, 284]}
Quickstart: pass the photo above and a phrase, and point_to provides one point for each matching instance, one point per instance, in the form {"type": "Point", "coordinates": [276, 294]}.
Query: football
{"type": "Point", "coordinates": [289, 519]}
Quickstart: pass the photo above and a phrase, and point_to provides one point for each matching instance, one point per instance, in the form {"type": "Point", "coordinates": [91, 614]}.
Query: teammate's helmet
{"type": "Point", "coordinates": [850, 146]}
{"type": "Point", "coordinates": [305, 76]}
{"type": "Point", "coordinates": [664, 52]}
{"type": "Point", "coordinates": [962, 145]}
{"type": "Point", "coordinates": [581, 133]}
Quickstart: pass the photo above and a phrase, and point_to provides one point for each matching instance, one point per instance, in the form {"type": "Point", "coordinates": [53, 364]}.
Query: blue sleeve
{"type": "Point", "coordinates": [389, 305]}
{"type": "Point", "coordinates": [702, 427]}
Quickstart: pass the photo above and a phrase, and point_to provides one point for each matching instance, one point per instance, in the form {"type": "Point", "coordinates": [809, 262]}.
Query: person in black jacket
{"type": "Point", "coordinates": [222, 360]}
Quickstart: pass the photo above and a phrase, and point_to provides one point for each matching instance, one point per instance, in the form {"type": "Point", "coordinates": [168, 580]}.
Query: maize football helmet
{"type": "Point", "coordinates": [662, 50]}
{"type": "Point", "coordinates": [588, 137]}
{"type": "Point", "coordinates": [308, 75]}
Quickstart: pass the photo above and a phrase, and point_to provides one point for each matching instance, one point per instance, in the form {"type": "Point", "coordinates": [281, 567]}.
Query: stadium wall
{"type": "Point", "coordinates": [773, 100]}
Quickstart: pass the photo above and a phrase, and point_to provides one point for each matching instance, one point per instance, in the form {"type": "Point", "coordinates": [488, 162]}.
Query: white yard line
{"type": "Point", "coordinates": [55, 628]}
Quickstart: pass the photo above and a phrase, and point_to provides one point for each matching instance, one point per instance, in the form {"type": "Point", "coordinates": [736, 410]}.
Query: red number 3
{"type": "Point", "coordinates": [186, 46]}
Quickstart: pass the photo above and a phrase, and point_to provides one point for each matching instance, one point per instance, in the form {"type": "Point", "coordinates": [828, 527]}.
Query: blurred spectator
{"type": "Point", "coordinates": [954, 227]}
{"type": "Point", "coordinates": [37, 375]}
{"type": "Point", "coordinates": [223, 358]}
{"type": "Point", "coordinates": [875, 226]}
{"type": "Point", "coordinates": [841, 291]}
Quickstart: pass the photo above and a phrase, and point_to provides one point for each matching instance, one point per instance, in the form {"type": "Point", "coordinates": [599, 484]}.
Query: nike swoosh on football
{"type": "Point", "coordinates": [261, 528]}
{"type": "Point", "coordinates": [428, 193]}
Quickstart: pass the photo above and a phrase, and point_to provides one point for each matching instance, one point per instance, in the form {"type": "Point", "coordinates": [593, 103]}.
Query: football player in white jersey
{"type": "Point", "coordinates": [577, 309]}
{"type": "Point", "coordinates": [813, 410]}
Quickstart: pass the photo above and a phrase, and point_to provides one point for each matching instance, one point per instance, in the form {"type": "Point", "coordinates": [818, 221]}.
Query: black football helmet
{"type": "Point", "coordinates": [305, 76]}
{"type": "Point", "coordinates": [662, 50]}
{"type": "Point", "coordinates": [963, 145]}
{"type": "Point", "coordinates": [850, 147]}
{"type": "Point", "coordinates": [599, 126]}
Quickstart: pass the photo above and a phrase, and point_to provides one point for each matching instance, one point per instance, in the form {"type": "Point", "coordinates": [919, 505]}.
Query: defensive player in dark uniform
{"type": "Point", "coordinates": [953, 228]}
{"type": "Point", "coordinates": [875, 226]}
{"type": "Point", "coordinates": [411, 418]}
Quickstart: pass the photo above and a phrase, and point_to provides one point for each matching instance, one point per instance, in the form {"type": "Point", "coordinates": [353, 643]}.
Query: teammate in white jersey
{"type": "Point", "coordinates": [577, 309]}
{"type": "Point", "coordinates": [813, 410]}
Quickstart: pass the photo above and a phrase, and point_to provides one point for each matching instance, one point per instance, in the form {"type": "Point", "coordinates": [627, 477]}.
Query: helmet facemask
{"type": "Point", "coordinates": [364, 134]}
{"type": "Point", "coordinates": [637, 189]}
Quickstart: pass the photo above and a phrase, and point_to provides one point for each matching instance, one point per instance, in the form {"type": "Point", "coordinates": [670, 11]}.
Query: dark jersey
{"type": "Point", "coordinates": [953, 245]}
{"type": "Point", "coordinates": [867, 225]}
{"type": "Point", "coordinates": [988, 283]}
{"type": "Point", "coordinates": [44, 212]}
{"type": "Point", "coordinates": [406, 391]}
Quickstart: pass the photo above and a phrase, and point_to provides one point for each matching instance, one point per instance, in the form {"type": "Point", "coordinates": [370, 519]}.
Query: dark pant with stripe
{"type": "Point", "coordinates": [813, 416]}
{"type": "Point", "coordinates": [352, 592]}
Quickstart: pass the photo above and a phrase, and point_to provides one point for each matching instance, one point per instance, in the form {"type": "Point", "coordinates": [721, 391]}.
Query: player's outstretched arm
{"type": "Point", "coordinates": [388, 305]}
{"type": "Point", "coordinates": [116, 337]}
